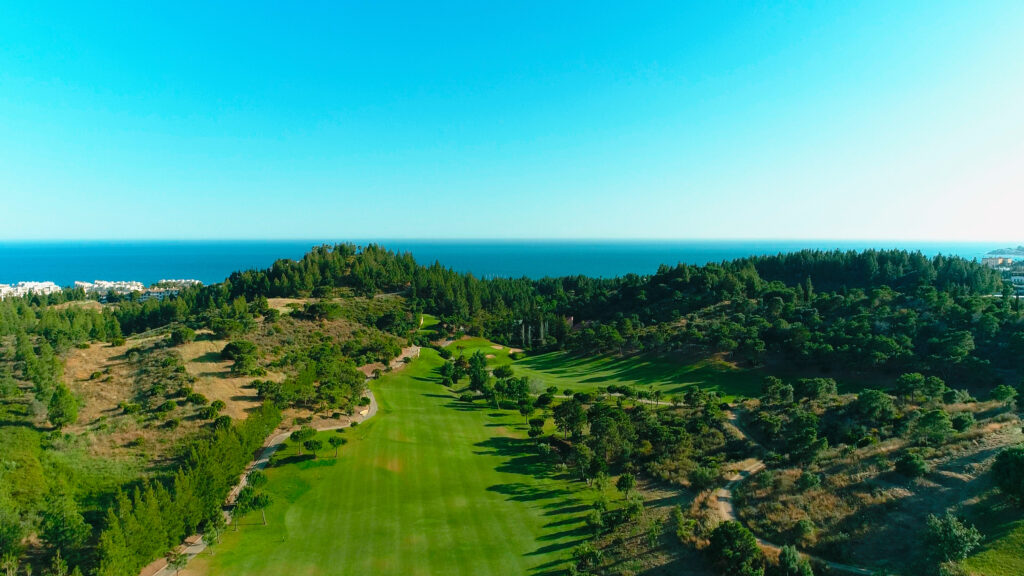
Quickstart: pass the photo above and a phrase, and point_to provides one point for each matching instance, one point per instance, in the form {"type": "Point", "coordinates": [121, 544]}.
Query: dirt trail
{"type": "Point", "coordinates": [194, 545]}
{"type": "Point", "coordinates": [724, 499]}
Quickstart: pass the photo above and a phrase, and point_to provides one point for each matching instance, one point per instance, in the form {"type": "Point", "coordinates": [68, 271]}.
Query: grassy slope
{"type": "Point", "coordinates": [643, 371]}
{"type": "Point", "coordinates": [428, 486]}
{"type": "Point", "coordinates": [1000, 522]}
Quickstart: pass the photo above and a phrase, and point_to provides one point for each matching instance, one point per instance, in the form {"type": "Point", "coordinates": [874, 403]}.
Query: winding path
{"type": "Point", "coordinates": [724, 499]}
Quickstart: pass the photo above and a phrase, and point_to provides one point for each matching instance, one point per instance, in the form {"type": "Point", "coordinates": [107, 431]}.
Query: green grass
{"type": "Point", "coordinates": [429, 325]}
{"type": "Point", "coordinates": [669, 374]}
{"type": "Point", "coordinates": [642, 371]}
{"type": "Point", "coordinates": [1002, 524]}
{"type": "Point", "coordinates": [428, 486]}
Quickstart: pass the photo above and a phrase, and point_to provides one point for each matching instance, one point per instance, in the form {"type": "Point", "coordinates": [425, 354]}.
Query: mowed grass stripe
{"type": "Point", "coordinates": [429, 486]}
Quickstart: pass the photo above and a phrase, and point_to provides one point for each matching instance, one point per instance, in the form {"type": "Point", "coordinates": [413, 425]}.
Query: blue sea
{"type": "Point", "coordinates": [64, 262]}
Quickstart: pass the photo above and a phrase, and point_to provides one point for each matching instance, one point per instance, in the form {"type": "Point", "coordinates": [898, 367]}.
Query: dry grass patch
{"type": "Point", "coordinates": [213, 377]}
{"type": "Point", "coordinates": [102, 378]}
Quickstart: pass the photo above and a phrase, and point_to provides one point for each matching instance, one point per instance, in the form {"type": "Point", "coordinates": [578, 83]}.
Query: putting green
{"type": "Point", "coordinates": [430, 485]}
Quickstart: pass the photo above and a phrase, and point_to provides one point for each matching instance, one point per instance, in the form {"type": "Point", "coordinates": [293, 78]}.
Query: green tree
{"type": "Point", "coordinates": [569, 417]}
{"type": "Point", "coordinates": [950, 539]}
{"type": "Point", "coordinates": [176, 560]}
{"type": "Point", "coordinates": [625, 483]}
{"type": "Point", "coordinates": [301, 435]}
{"type": "Point", "coordinates": [911, 465]}
{"type": "Point", "coordinates": [1004, 394]}
{"type": "Point", "coordinates": [63, 526]}
{"type": "Point", "coordinates": [336, 442]}
{"type": "Point", "coordinates": [791, 563]}
{"type": "Point", "coordinates": [182, 334]}
{"type": "Point", "coordinates": [63, 408]}
{"type": "Point", "coordinates": [313, 446]}
{"type": "Point", "coordinates": [734, 550]}
{"type": "Point", "coordinates": [875, 405]}
{"type": "Point", "coordinates": [934, 427]}
{"type": "Point", "coordinates": [260, 502]}
{"type": "Point", "coordinates": [1008, 472]}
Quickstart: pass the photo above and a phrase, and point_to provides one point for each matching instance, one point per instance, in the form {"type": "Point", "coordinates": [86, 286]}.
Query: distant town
{"type": "Point", "coordinates": [1009, 261]}
{"type": "Point", "coordinates": [100, 288]}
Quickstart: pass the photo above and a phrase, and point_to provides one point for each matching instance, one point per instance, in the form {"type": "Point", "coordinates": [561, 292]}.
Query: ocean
{"type": "Point", "coordinates": [64, 262]}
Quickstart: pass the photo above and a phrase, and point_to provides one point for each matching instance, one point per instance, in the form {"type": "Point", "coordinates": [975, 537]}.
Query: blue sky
{"type": "Point", "coordinates": [829, 120]}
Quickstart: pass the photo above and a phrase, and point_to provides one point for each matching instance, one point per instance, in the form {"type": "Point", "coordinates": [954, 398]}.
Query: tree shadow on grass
{"type": "Point", "coordinates": [520, 455]}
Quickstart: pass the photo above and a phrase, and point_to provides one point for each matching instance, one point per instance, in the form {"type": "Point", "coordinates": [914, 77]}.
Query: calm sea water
{"type": "Point", "coordinates": [147, 262]}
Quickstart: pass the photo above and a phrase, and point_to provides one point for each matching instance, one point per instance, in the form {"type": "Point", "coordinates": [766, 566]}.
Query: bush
{"type": "Point", "coordinates": [934, 427]}
{"type": "Point", "coordinates": [949, 539]}
{"type": "Point", "coordinates": [444, 353]}
{"type": "Point", "coordinates": [704, 477]}
{"type": "Point", "coordinates": [1008, 471]}
{"type": "Point", "coordinates": [181, 335]}
{"type": "Point", "coordinates": [808, 480]}
{"type": "Point", "coordinates": [238, 348]}
{"type": "Point", "coordinates": [911, 465]}
{"type": "Point", "coordinates": [197, 399]}
{"type": "Point", "coordinates": [963, 421]}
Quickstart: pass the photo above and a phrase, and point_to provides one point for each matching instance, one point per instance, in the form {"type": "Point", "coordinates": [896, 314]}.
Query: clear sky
{"type": "Point", "coordinates": [512, 119]}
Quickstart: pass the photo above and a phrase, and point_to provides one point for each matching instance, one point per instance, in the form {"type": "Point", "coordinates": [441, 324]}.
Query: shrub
{"type": "Point", "coordinates": [963, 421]}
{"type": "Point", "coordinates": [808, 480]}
{"type": "Point", "coordinates": [181, 335]}
{"type": "Point", "coordinates": [444, 353]}
{"type": "Point", "coordinates": [911, 465]}
{"type": "Point", "coordinates": [949, 539]}
{"type": "Point", "coordinates": [934, 427]}
{"type": "Point", "coordinates": [238, 348]}
{"type": "Point", "coordinates": [704, 477]}
{"type": "Point", "coordinates": [1004, 394]}
{"type": "Point", "coordinates": [1008, 471]}
{"type": "Point", "coordinates": [196, 398]}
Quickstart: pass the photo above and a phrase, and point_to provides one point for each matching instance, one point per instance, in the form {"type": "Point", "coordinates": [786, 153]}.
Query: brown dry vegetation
{"type": "Point", "coordinates": [863, 512]}
{"type": "Point", "coordinates": [213, 377]}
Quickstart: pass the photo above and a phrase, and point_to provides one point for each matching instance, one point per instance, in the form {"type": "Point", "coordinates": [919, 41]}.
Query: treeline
{"type": "Point", "coordinates": [879, 310]}
{"type": "Point", "coordinates": [159, 515]}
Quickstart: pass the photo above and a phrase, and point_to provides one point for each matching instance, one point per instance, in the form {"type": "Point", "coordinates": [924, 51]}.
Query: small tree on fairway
{"type": "Point", "coordinates": [313, 446]}
{"type": "Point", "coordinates": [301, 435]}
{"type": "Point", "coordinates": [336, 442]}
{"type": "Point", "coordinates": [260, 502]}
{"type": "Point", "coordinates": [625, 483]}
{"type": "Point", "coordinates": [949, 539]}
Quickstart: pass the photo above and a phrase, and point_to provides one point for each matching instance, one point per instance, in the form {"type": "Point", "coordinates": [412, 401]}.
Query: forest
{"type": "Point", "coordinates": [904, 335]}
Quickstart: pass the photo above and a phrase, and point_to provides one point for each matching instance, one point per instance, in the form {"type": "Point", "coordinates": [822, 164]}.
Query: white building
{"type": "Point", "coordinates": [106, 286]}
{"type": "Point", "coordinates": [26, 288]}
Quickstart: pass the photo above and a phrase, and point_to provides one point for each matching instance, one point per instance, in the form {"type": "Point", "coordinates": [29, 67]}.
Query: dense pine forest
{"type": "Point", "coordinates": [897, 328]}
